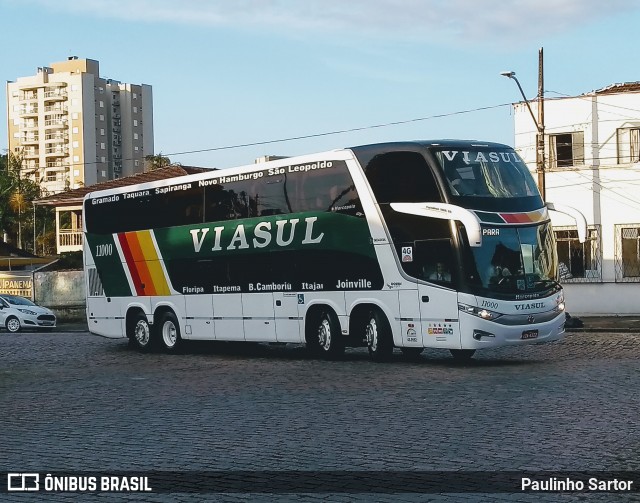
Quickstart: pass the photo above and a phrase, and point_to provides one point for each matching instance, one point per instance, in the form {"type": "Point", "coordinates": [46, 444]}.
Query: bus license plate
{"type": "Point", "coordinates": [530, 334]}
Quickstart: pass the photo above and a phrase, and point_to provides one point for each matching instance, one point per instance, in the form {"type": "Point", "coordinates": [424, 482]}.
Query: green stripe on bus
{"type": "Point", "coordinates": [110, 268]}
{"type": "Point", "coordinates": [254, 236]}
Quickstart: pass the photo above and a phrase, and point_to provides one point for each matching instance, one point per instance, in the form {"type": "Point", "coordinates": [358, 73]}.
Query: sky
{"type": "Point", "coordinates": [234, 80]}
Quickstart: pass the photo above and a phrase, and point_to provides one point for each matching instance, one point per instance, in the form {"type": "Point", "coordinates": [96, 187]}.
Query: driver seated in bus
{"type": "Point", "coordinates": [439, 274]}
{"type": "Point", "coordinates": [498, 274]}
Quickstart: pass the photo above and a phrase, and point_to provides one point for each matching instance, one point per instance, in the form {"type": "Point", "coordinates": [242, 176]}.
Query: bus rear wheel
{"type": "Point", "coordinates": [462, 355]}
{"type": "Point", "coordinates": [169, 333]}
{"type": "Point", "coordinates": [139, 333]}
{"type": "Point", "coordinates": [378, 336]}
{"type": "Point", "coordinates": [324, 337]}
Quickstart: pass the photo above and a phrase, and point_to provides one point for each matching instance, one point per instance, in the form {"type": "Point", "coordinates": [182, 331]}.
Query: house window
{"type": "Point", "coordinates": [628, 252]}
{"type": "Point", "coordinates": [566, 150]}
{"type": "Point", "coordinates": [628, 145]}
{"type": "Point", "coordinates": [579, 262]}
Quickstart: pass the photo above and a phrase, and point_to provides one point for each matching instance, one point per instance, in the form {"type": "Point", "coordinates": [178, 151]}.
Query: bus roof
{"type": "Point", "coordinates": [362, 151]}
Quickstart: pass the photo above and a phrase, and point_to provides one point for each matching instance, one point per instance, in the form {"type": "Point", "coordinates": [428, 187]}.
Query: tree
{"type": "Point", "coordinates": [17, 212]}
{"type": "Point", "coordinates": [157, 161]}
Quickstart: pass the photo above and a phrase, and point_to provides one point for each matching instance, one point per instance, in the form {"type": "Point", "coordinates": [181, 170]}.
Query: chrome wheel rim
{"type": "Point", "coordinates": [169, 334]}
{"type": "Point", "coordinates": [142, 333]}
{"type": "Point", "coordinates": [372, 334]}
{"type": "Point", "coordinates": [324, 334]}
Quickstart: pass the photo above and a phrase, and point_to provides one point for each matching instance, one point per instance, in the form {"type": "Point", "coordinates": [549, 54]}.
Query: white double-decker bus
{"type": "Point", "coordinates": [427, 244]}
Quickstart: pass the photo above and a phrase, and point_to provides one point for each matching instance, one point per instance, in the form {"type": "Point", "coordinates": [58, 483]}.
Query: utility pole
{"type": "Point", "coordinates": [540, 162]}
{"type": "Point", "coordinates": [538, 123]}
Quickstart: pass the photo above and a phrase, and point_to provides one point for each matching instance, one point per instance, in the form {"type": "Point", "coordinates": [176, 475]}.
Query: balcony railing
{"type": "Point", "coordinates": [70, 237]}
{"type": "Point", "coordinates": [55, 123]}
{"type": "Point", "coordinates": [55, 95]}
{"type": "Point", "coordinates": [56, 137]}
{"type": "Point", "coordinates": [56, 152]}
{"type": "Point", "coordinates": [28, 111]}
{"type": "Point", "coordinates": [29, 96]}
{"type": "Point", "coordinates": [56, 109]}
{"type": "Point", "coordinates": [69, 240]}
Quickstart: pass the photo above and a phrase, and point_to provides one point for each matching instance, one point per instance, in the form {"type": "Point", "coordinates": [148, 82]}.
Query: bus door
{"type": "Point", "coordinates": [437, 296]}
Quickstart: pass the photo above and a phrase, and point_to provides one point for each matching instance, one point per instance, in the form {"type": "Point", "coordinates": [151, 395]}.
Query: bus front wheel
{"type": "Point", "coordinates": [139, 332]}
{"type": "Point", "coordinates": [324, 337]}
{"type": "Point", "coordinates": [378, 336]}
{"type": "Point", "coordinates": [169, 332]}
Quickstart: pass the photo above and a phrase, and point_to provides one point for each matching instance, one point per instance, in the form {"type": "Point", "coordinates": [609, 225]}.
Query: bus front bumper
{"type": "Point", "coordinates": [477, 333]}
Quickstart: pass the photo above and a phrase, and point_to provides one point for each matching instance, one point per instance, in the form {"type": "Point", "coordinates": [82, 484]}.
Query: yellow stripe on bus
{"type": "Point", "coordinates": [151, 258]}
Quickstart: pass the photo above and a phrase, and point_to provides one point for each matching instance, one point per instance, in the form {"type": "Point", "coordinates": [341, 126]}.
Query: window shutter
{"type": "Point", "coordinates": [577, 146]}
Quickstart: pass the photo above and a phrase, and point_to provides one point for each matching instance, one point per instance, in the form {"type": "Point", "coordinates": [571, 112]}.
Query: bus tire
{"type": "Point", "coordinates": [169, 333]}
{"type": "Point", "coordinates": [378, 336]}
{"type": "Point", "coordinates": [139, 333]}
{"type": "Point", "coordinates": [324, 337]}
{"type": "Point", "coordinates": [462, 355]}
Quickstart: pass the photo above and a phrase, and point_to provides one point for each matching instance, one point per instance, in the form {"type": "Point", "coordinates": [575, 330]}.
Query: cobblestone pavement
{"type": "Point", "coordinates": [72, 402]}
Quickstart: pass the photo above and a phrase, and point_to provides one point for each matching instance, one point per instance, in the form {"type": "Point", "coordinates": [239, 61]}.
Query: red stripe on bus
{"type": "Point", "coordinates": [128, 257]}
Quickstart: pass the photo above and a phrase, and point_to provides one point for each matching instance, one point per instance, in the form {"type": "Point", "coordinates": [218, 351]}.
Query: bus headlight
{"type": "Point", "coordinates": [559, 303]}
{"type": "Point", "coordinates": [480, 312]}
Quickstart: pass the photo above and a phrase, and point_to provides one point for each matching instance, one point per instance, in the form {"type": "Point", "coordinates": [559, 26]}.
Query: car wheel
{"type": "Point", "coordinates": [169, 333]}
{"type": "Point", "coordinates": [139, 333]}
{"type": "Point", "coordinates": [12, 324]}
{"type": "Point", "coordinates": [378, 336]}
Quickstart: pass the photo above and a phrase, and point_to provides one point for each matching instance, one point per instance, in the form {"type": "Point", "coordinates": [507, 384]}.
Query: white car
{"type": "Point", "coordinates": [17, 313]}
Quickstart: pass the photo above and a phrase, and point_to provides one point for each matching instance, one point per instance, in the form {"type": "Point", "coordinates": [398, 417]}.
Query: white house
{"type": "Point", "coordinates": [592, 159]}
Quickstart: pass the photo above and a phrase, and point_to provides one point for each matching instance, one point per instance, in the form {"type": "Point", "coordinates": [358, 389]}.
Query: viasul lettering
{"type": "Point", "coordinates": [283, 233]}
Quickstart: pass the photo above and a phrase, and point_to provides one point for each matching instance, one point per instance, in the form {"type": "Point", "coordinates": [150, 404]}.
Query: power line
{"type": "Point", "coordinates": [315, 135]}
{"type": "Point", "coordinates": [340, 131]}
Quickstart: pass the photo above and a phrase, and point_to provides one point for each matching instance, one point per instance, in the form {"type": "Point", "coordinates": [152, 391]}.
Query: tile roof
{"type": "Point", "coordinates": [623, 87]}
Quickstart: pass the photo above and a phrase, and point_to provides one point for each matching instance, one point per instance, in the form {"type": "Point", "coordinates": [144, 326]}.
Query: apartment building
{"type": "Point", "coordinates": [592, 161]}
{"type": "Point", "coordinates": [74, 128]}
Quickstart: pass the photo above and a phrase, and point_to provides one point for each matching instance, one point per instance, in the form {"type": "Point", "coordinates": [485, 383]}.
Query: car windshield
{"type": "Point", "coordinates": [515, 260]}
{"type": "Point", "coordinates": [14, 300]}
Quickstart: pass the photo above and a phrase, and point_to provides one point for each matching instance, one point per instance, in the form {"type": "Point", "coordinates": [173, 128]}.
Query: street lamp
{"type": "Point", "coordinates": [539, 123]}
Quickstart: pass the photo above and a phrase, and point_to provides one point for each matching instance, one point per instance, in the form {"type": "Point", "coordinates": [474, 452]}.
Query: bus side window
{"type": "Point", "coordinates": [434, 260]}
{"type": "Point", "coordinates": [324, 190]}
{"type": "Point", "coordinates": [402, 177]}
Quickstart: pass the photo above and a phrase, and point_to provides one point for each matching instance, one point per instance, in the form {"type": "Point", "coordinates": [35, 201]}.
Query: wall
{"type": "Point", "coordinates": [603, 190]}
{"type": "Point", "coordinates": [61, 291]}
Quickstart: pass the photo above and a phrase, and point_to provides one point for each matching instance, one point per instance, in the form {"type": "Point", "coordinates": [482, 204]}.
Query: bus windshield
{"type": "Point", "coordinates": [515, 260]}
{"type": "Point", "coordinates": [486, 172]}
